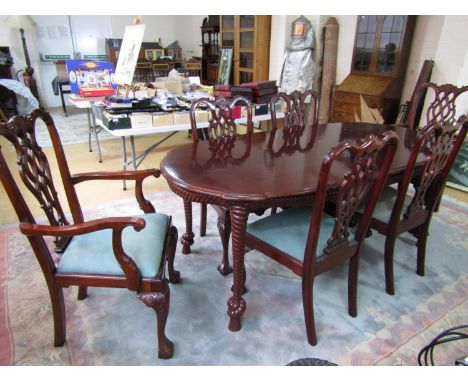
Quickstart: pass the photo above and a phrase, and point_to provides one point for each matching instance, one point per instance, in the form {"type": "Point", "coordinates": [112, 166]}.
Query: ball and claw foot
{"type": "Point", "coordinates": [166, 350]}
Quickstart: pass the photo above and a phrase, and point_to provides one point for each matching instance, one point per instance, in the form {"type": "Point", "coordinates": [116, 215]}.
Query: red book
{"type": "Point", "coordinates": [264, 99]}
{"type": "Point", "coordinates": [259, 84]}
{"type": "Point", "coordinates": [240, 90]}
{"type": "Point", "coordinates": [222, 87]}
{"type": "Point", "coordinates": [264, 92]}
{"type": "Point", "coordinates": [222, 93]}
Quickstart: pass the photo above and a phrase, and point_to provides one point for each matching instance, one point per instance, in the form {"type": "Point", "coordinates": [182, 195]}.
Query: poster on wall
{"type": "Point", "coordinates": [128, 55]}
{"type": "Point", "coordinates": [91, 78]}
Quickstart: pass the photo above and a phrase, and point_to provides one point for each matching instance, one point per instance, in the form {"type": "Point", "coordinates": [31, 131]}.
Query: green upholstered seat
{"type": "Point", "coordinates": [92, 253]}
{"type": "Point", "coordinates": [288, 230]}
{"type": "Point", "coordinates": [384, 206]}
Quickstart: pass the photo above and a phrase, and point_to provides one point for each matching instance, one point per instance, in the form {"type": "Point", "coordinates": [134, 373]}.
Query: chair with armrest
{"type": "Point", "coordinates": [222, 132]}
{"type": "Point", "coordinates": [117, 252]}
{"type": "Point", "coordinates": [309, 241]}
{"type": "Point", "coordinates": [397, 212]}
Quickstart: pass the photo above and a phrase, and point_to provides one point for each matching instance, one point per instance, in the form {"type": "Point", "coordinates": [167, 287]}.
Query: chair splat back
{"type": "Point", "coordinates": [441, 144]}
{"type": "Point", "coordinates": [295, 115]}
{"type": "Point", "coordinates": [369, 162]}
{"type": "Point", "coordinates": [441, 108]}
{"type": "Point", "coordinates": [222, 124]}
{"type": "Point", "coordinates": [33, 167]}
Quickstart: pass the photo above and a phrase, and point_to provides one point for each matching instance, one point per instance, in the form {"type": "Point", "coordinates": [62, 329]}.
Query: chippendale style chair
{"type": "Point", "coordinates": [396, 212]}
{"type": "Point", "coordinates": [309, 241]}
{"type": "Point", "coordinates": [296, 119]}
{"type": "Point", "coordinates": [295, 113]}
{"type": "Point", "coordinates": [441, 107]}
{"type": "Point", "coordinates": [222, 135]}
{"type": "Point", "coordinates": [117, 252]}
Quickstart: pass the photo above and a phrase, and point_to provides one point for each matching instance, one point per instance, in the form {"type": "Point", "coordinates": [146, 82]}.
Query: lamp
{"type": "Point", "coordinates": [23, 22]}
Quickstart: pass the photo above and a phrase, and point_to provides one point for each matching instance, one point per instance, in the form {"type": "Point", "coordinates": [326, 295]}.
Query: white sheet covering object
{"type": "Point", "coordinates": [26, 102]}
{"type": "Point", "coordinates": [299, 66]}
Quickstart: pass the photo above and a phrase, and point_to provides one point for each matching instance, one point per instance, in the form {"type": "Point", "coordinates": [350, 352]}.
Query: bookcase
{"type": "Point", "coordinates": [381, 50]}
{"type": "Point", "coordinates": [249, 36]}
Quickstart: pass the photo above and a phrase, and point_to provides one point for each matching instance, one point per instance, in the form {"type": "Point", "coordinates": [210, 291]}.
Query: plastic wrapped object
{"type": "Point", "coordinates": [298, 66]}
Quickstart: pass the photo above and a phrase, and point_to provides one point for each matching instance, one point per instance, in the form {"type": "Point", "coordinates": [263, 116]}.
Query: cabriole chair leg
{"type": "Point", "coordinates": [308, 306]}
{"type": "Point", "coordinates": [159, 302]}
{"type": "Point", "coordinates": [58, 310]}
{"type": "Point", "coordinates": [82, 292]}
{"type": "Point", "coordinates": [174, 276]}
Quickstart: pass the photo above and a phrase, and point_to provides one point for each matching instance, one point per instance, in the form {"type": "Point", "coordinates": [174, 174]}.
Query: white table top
{"type": "Point", "coordinates": [82, 102]}
{"type": "Point", "coordinates": [169, 128]}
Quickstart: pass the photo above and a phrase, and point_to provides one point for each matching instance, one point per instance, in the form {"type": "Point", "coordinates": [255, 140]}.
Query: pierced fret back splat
{"type": "Point", "coordinates": [33, 166]}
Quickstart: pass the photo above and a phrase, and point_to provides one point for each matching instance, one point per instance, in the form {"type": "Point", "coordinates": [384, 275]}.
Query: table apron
{"type": "Point", "coordinates": [252, 204]}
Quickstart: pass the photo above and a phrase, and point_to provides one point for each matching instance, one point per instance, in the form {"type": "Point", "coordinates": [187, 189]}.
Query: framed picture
{"type": "Point", "coordinates": [224, 66]}
{"type": "Point", "coordinates": [129, 52]}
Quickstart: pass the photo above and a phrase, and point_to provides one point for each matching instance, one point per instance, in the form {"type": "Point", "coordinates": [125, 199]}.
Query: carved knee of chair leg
{"type": "Point", "coordinates": [159, 302]}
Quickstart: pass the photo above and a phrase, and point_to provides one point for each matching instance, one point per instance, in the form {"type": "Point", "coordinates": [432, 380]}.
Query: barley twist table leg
{"type": "Point", "coordinates": [187, 237]}
{"type": "Point", "coordinates": [236, 304]}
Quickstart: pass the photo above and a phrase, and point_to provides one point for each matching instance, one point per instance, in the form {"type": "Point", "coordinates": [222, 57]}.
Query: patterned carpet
{"type": "Point", "coordinates": [112, 327]}
{"type": "Point", "coordinates": [72, 129]}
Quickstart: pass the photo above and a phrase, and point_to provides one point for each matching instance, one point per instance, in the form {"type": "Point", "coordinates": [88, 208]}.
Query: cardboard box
{"type": "Point", "coordinates": [115, 121]}
{"type": "Point", "coordinates": [181, 118]}
{"type": "Point", "coordinates": [141, 120]}
{"type": "Point", "coordinates": [162, 119]}
{"type": "Point", "coordinates": [91, 78]}
{"type": "Point", "coordinates": [201, 115]}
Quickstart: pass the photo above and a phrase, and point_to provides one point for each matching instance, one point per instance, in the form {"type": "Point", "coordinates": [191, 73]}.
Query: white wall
{"type": "Point", "coordinates": [425, 41]}
{"type": "Point", "coordinates": [156, 27]}
{"type": "Point", "coordinates": [451, 57]}
{"type": "Point", "coordinates": [441, 38]}
{"type": "Point", "coordinates": [189, 35]}
{"type": "Point", "coordinates": [12, 38]}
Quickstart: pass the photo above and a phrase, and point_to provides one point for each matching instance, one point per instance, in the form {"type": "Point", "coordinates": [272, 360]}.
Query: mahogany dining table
{"type": "Point", "coordinates": [279, 168]}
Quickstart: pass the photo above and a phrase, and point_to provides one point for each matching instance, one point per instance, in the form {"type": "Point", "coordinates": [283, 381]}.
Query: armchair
{"type": "Point", "coordinates": [117, 252]}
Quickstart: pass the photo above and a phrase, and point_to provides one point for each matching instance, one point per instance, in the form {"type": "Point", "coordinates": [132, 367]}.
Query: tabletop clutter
{"type": "Point", "coordinates": [167, 102]}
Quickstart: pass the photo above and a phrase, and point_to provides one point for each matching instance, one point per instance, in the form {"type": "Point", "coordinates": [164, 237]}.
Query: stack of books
{"type": "Point", "coordinates": [262, 91]}
{"type": "Point", "coordinates": [231, 91]}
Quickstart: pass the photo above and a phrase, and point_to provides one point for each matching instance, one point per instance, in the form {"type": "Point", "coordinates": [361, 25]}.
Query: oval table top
{"type": "Point", "coordinates": [277, 164]}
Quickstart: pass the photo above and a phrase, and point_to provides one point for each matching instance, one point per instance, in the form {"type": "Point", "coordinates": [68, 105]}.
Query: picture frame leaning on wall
{"type": "Point", "coordinates": [224, 66]}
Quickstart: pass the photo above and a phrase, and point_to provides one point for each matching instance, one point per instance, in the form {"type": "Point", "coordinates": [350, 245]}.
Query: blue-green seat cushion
{"type": "Point", "coordinates": [288, 229]}
{"type": "Point", "coordinates": [92, 252]}
{"type": "Point", "coordinates": [383, 208]}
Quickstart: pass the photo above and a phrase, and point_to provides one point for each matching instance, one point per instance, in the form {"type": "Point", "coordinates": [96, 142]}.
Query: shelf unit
{"type": "Point", "coordinates": [249, 36]}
